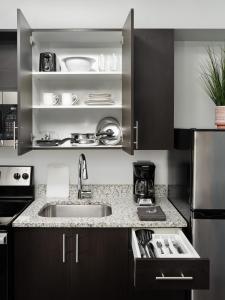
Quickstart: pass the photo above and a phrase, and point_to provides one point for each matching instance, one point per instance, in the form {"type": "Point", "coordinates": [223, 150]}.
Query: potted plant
{"type": "Point", "coordinates": [213, 75]}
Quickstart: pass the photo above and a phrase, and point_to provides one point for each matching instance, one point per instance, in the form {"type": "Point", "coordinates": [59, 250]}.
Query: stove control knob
{"type": "Point", "coordinates": [16, 176]}
{"type": "Point", "coordinates": [25, 176]}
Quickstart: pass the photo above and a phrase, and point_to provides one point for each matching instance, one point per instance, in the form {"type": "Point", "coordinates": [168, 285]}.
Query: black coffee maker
{"type": "Point", "coordinates": [143, 185]}
{"type": "Point", "coordinates": [47, 62]}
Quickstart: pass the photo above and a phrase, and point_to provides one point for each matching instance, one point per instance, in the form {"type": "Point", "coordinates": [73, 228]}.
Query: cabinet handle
{"type": "Point", "coordinates": [14, 135]}
{"type": "Point", "coordinates": [64, 248]}
{"type": "Point", "coordinates": [182, 277]}
{"type": "Point", "coordinates": [77, 249]}
{"type": "Point", "coordinates": [136, 135]}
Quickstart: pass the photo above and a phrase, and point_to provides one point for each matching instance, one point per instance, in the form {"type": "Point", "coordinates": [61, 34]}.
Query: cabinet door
{"type": "Point", "coordinates": [8, 60]}
{"type": "Point", "coordinates": [154, 88]}
{"type": "Point", "coordinates": [40, 268]}
{"type": "Point", "coordinates": [24, 68]}
{"type": "Point", "coordinates": [99, 264]}
{"type": "Point", "coordinates": [127, 84]}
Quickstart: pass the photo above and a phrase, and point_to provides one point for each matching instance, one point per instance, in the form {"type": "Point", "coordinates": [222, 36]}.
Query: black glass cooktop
{"type": "Point", "coordinates": [10, 209]}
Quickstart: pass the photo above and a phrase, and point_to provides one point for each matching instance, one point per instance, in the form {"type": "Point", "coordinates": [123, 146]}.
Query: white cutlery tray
{"type": "Point", "coordinates": [161, 234]}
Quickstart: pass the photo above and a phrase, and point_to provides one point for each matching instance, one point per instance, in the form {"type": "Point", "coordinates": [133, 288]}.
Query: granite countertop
{"type": "Point", "coordinates": [119, 197]}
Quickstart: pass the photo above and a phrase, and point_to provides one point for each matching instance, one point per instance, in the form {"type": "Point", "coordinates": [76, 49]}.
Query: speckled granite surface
{"type": "Point", "coordinates": [119, 197]}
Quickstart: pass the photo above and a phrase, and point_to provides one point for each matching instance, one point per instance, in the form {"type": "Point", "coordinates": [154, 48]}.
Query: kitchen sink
{"type": "Point", "coordinates": [76, 211]}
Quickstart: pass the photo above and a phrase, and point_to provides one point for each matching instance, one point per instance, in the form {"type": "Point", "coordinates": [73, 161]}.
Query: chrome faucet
{"type": "Point", "coordinates": [82, 175]}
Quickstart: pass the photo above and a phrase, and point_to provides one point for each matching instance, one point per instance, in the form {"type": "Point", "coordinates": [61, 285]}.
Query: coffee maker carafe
{"type": "Point", "coordinates": [143, 185]}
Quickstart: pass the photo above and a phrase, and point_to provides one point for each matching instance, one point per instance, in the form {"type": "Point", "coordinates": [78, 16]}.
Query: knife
{"type": "Point", "coordinates": [151, 250]}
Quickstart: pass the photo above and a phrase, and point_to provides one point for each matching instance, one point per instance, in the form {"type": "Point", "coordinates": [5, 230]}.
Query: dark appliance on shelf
{"type": "Point", "coordinates": [143, 182]}
{"type": "Point", "coordinates": [16, 193]}
{"type": "Point", "coordinates": [47, 62]}
{"type": "Point", "coordinates": [8, 122]}
{"type": "Point", "coordinates": [197, 189]}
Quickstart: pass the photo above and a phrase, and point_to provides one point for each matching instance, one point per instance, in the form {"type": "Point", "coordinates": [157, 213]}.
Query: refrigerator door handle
{"type": "Point", "coordinates": [212, 214]}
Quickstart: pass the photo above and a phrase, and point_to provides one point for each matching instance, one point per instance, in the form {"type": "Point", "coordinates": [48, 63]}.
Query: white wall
{"type": "Point", "coordinates": [115, 166]}
{"type": "Point", "coordinates": [106, 13]}
{"type": "Point", "coordinates": [192, 106]}
{"type": "Point", "coordinates": [104, 166]}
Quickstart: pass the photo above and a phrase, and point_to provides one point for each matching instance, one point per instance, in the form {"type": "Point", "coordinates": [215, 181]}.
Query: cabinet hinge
{"type": "Point", "coordinates": [122, 40]}
{"type": "Point", "coordinates": [31, 41]}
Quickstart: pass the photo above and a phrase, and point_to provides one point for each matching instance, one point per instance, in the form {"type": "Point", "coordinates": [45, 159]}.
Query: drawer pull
{"type": "Point", "coordinates": [14, 135]}
{"type": "Point", "coordinates": [77, 249]}
{"type": "Point", "coordinates": [136, 139]}
{"type": "Point", "coordinates": [182, 277]}
{"type": "Point", "coordinates": [64, 248]}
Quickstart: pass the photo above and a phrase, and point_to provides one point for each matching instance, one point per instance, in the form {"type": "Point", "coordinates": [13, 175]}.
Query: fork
{"type": "Point", "coordinates": [159, 245]}
{"type": "Point", "coordinates": [166, 242]}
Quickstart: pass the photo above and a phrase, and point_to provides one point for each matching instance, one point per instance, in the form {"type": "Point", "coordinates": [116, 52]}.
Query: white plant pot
{"type": "Point", "coordinates": [220, 117]}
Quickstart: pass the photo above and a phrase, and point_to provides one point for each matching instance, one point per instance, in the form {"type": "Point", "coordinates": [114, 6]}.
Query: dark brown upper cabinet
{"type": "Point", "coordinates": [147, 84]}
{"type": "Point", "coordinates": [24, 63]}
{"type": "Point", "coordinates": [31, 42]}
{"type": "Point", "coordinates": [128, 83]}
{"type": "Point", "coordinates": [8, 60]}
{"type": "Point", "coordinates": [154, 88]}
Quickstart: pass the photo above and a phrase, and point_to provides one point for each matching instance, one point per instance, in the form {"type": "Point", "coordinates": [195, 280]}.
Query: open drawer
{"type": "Point", "coordinates": [170, 269]}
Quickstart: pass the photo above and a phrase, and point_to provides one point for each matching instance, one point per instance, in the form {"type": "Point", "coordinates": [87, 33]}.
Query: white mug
{"type": "Point", "coordinates": [69, 99]}
{"type": "Point", "coordinates": [50, 99]}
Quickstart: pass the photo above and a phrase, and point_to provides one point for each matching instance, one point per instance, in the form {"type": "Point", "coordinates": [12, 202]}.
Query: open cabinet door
{"type": "Point", "coordinates": [128, 84]}
{"type": "Point", "coordinates": [24, 73]}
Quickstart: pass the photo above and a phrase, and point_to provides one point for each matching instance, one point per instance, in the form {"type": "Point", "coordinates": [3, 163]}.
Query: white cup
{"type": "Point", "coordinates": [50, 99]}
{"type": "Point", "coordinates": [68, 99]}
{"type": "Point", "coordinates": [114, 62]}
{"type": "Point", "coordinates": [101, 63]}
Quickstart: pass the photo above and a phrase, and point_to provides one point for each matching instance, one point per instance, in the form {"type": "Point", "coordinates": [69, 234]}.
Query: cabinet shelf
{"type": "Point", "coordinates": [83, 106]}
{"type": "Point", "coordinates": [61, 147]}
{"type": "Point", "coordinates": [60, 75]}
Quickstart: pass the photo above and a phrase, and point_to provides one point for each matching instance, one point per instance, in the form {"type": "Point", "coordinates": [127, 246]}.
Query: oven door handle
{"type": "Point", "coordinates": [1, 126]}
{"type": "Point", "coordinates": [14, 135]}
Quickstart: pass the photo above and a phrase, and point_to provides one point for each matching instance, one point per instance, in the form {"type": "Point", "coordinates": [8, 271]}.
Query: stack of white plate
{"type": "Point", "coordinates": [100, 99]}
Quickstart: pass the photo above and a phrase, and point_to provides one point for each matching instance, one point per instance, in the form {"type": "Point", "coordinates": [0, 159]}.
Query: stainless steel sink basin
{"type": "Point", "coordinates": [76, 211]}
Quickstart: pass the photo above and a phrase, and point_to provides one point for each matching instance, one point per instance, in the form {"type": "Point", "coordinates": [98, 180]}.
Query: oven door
{"type": "Point", "coordinates": [3, 266]}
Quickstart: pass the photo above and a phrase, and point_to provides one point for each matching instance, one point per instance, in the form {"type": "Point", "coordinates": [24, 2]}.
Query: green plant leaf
{"type": "Point", "coordinates": [213, 76]}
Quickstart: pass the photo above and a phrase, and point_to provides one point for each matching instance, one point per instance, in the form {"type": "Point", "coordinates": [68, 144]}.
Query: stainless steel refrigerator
{"type": "Point", "coordinates": [197, 189]}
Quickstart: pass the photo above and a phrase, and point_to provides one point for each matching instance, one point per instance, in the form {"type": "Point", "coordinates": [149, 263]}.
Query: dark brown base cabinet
{"type": "Point", "coordinates": [70, 264]}
{"type": "Point", "coordinates": [87, 263]}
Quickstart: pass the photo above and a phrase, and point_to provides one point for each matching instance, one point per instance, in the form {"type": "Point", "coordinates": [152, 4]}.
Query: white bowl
{"type": "Point", "coordinates": [79, 63]}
